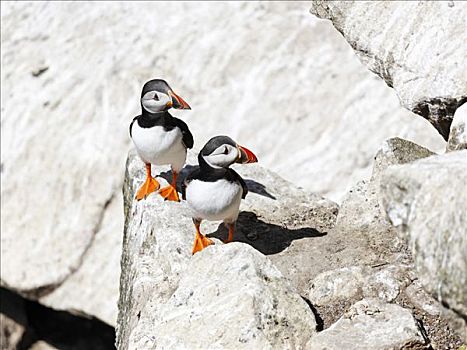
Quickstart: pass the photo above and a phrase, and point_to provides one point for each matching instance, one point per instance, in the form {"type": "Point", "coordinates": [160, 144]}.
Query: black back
{"type": "Point", "coordinates": [167, 121]}
{"type": "Point", "coordinates": [206, 173]}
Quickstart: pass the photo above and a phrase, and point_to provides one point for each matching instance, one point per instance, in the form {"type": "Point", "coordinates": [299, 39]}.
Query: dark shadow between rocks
{"type": "Point", "coordinates": [60, 329]}
{"type": "Point", "coordinates": [319, 320]}
{"type": "Point", "coordinates": [265, 237]}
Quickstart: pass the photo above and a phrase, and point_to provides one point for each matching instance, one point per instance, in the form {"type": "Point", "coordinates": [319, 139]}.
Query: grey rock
{"type": "Point", "coordinates": [458, 136]}
{"type": "Point", "coordinates": [158, 238]}
{"type": "Point", "coordinates": [344, 283]}
{"type": "Point", "coordinates": [397, 151]}
{"type": "Point", "coordinates": [371, 324]}
{"type": "Point", "coordinates": [427, 200]}
{"type": "Point", "coordinates": [230, 297]}
{"type": "Point", "coordinates": [396, 41]}
{"type": "Point", "coordinates": [357, 282]}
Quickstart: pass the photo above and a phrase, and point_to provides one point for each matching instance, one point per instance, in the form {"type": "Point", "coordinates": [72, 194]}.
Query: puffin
{"type": "Point", "coordinates": [160, 138]}
{"type": "Point", "coordinates": [212, 190]}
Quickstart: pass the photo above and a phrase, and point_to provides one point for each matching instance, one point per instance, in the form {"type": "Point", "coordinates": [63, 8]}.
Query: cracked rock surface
{"type": "Point", "coordinates": [372, 324]}
{"type": "Point", "coordinates": [427, 200]}
{"type": "Point", "coordinates": [416, 47]}
{"type": "Point", "coordinates": [157, 264]}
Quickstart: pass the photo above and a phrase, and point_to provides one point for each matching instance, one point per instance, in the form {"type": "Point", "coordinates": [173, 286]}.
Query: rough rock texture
{"type": "Point", "coordinates": [229, 297]}
{"type": "Point", "coordinates": [396, 151]}
{"type": "Point", "coordinates": [63, 151]}
{"type": "Point", "coordinates": [357, 282]}
{"type": "Point", "coordinates": [372, 324]}
{"type": "Point", "coordinates": [458, 136]}
{"type": "Point", "coordinates": [158, 238]}
{"type": "Point", "coordinates": [427, 200]}
{"type": "Point", "coordinates": [416, 47]}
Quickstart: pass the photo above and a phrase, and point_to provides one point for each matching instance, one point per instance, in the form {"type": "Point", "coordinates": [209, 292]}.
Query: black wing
{"type": "Point", "coordinates": [235, 176]}
{"type": "Point", "coordinates": [187, 136]}
{"type": "Point", "coordinates": [131, 124]}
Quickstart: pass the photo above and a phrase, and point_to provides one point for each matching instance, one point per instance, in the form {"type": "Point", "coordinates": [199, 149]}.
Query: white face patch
{"type": "Point", "coordinates": [223, 156]}
{"type": "Point", "coordinates": [155, 101]}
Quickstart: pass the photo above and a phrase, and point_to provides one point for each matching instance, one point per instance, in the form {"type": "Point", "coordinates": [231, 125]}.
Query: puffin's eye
{"type": "Point", "coordinates": [156, 97]}
{"type": "Point", "coordinates": [226, 151]}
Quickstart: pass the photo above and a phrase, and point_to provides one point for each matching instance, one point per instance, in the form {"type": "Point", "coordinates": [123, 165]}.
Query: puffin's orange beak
{"type": "Point", "coordinates": [246, 156]}
{"type": "Point", "coordinates": [178, 102]}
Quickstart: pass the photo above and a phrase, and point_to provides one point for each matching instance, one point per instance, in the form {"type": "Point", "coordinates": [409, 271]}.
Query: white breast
{"type": "Point", "coordinates": [219, 200]}
{"type": "Point", "coordinates": [157, 146]}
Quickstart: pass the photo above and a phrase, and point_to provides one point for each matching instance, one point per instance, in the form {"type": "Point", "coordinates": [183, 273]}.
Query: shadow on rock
{"type": "Point", "coordinates": [265, 237]}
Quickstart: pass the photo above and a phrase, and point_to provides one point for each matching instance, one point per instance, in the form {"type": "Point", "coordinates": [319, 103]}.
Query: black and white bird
{"type": "Point", "coordinates": [159, 138]}
{"type": "Point", "coordinates": [213, 191]}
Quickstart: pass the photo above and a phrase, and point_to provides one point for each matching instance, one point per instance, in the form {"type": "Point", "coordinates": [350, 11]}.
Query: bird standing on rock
{"type": "Point", "coordinates": [160, 138]}
{"type": "Point", "coordinates": [213, 191]}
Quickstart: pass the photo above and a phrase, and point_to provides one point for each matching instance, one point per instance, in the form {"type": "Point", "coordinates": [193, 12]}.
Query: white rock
{"type": "Point", "coordinates": [159, 236]}
{"type": "Point", "coordinates": [230, 297]}
{"type": "Point", "coordinates": [458, 135]}
{"type": "Point", "coordinates": [427, 200]}
{"type": "Point", "coordinates": [343, 283]}
{"type": "Point", "coordinates": [93, 288]}
{"type": "Point", "coordinates": [416, 47]}
{"type": "Point", "coordinates": [356, 282]}
{"type": "Point", "coordinates": [371, 324]}
{"type": "Point", "coordinates": [63, 147]}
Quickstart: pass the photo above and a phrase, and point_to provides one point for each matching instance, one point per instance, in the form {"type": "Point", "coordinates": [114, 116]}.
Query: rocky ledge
{"type": "Point", "coordinates": [301, 273]}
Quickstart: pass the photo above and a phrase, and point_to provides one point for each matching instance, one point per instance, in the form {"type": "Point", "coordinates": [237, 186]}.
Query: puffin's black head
{"type": "Point", "coordinates": [157, 96]}
{"type": "Point", "coordinates": [222, 151]}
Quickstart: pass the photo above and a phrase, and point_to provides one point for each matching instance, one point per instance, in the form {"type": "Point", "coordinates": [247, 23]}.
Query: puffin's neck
{"type": "Point", "coordinates": [204, 166]}
{"type": "Point", "coordinates": [153, 116]}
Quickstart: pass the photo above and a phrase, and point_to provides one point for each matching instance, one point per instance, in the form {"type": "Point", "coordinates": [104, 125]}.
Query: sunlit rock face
{"type": "Point", "coordinates": [416, 47]}
{"type": "Point", "coordinates": [268, 74]}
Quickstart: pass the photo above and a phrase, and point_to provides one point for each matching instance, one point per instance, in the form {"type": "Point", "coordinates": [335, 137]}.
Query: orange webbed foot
{"type": "Point", "coordinates": [149, 186]}
{"type": "Point", "coordinates": [169, 193]}
{"type": "Point", "coordinates": [200, 243]}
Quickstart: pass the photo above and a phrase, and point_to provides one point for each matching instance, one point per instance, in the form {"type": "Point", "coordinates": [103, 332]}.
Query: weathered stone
{"type": "Point", "coordinates": [357, 282]}
{"type": "Point", "coordinates": [416, 47]}
{"type": "Point", "coordinates": [458, 136]}
{"type": "Point", "coordinates": [229, 297]}
{"type": "Point", "coordinates": [371, 324]}
{"type": "Point", "coordinates": [427, 200]}
{"type": "Point", "coordinates": [93, 288]}
{"type": "Point", "coordinates": [396, 151]}
{"type": "Point", "coordinates": [344, 283]}
{"type": "Point", "coordinates": [159, 235]}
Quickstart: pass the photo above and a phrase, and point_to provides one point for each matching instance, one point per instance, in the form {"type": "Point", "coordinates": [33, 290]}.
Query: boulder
{"type": "Point", "coordinates": [159, 235]}
{"type": "Point", "coordinates": [230, 296]}
{"type": "Point", "coordinates": [372, 324]}
{"type": "Point", "coordinates": [416, 47]}
{"type": "Point", "coordinates": [426, 201]}
{"type": "Point", "coordinates": [93, 288]}
{"type": "Point", "coordinates": [458, 136]}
